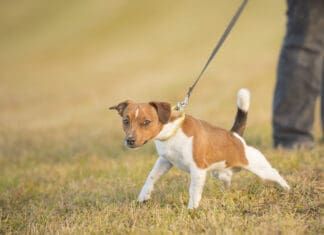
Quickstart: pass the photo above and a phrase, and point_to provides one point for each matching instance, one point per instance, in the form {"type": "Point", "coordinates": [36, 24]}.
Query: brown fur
{"type": "Point", "coordinates": [240, 122]}
{"type": "Point", "coordinates": [212, 144]}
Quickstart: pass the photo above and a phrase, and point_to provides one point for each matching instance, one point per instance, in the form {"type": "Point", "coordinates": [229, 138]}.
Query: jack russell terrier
{"type": "Point", "coordinates": [193, 145]}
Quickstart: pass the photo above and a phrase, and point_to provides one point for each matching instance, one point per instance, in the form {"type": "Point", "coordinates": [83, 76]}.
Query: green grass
{"type": "Point", "coordinates": [96, 193]}
{"type": "Point", "coordinates": [63, 168]}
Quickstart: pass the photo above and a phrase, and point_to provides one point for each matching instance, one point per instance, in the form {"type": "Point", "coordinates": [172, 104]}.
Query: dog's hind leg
{"type": "Point", "coordinates": [161, 167]}
{"type": "Point", "coordinates": [259, 165]}
{"type": "Point", "coordinates": [225, 176]}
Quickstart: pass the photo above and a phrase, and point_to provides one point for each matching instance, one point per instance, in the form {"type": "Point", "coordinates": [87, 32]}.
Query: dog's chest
{"type": "Point", "coordinates": [177, 150]}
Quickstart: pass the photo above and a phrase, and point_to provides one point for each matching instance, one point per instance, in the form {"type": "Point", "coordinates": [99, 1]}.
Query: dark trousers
{"type": "Point", "coordinates": [300, 74]}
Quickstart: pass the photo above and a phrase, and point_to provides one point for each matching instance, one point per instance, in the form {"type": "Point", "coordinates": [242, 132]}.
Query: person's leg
{"type": "Point", "coordinates": [298, 76]}
{"type": "Point", "coordinates": [322, 99]}
{"type": "Point", "coordinates": [295, 95]}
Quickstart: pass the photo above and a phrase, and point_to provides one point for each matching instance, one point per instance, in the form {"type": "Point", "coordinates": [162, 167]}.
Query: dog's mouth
{"type": "Point", "coordinates": [135, 146]}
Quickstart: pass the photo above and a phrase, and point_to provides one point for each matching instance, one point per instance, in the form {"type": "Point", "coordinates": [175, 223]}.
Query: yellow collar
{"type": "Point", "coordinates": [175, 129]}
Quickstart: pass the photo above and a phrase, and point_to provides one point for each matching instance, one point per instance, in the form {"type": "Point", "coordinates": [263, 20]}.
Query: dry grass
{"type": "Point", "coordinates": [62, 165]}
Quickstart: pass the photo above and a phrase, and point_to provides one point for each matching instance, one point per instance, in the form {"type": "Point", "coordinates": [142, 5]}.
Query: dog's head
{"type": "Point", "coordinates": [142, 121]}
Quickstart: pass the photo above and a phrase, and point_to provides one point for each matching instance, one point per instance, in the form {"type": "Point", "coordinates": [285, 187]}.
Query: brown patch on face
{"type": "Point", "coordinates": [143, 121]}
{"type": "Point", "coordinates": [212, 144]}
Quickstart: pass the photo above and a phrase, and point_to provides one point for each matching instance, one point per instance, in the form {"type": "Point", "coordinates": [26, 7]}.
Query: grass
{"type": "Point", "coordinates": [63, 168]}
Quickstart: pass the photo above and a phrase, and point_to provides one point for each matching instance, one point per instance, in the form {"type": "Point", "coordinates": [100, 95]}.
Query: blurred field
{"type": "Point", "coordinates": [63, 168]}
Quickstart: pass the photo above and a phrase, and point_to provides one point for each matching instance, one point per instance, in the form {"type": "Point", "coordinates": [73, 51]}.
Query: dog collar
{"type": "Point", "coordinates": [175, 129]}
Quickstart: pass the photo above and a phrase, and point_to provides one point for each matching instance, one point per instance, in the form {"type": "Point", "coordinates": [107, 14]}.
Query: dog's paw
{"type": "Point", "coordinates": [192, 205]}
{"type": "Point", "coordinates": [143, 197]}
{"type": "Point", "coordinates": [286, 187]}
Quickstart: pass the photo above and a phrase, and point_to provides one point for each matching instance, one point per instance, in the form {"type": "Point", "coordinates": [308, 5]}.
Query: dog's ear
{"type": "Point", "coordinates": [121, 107]}
{"type": "Point", "coordinates": [163, 110]}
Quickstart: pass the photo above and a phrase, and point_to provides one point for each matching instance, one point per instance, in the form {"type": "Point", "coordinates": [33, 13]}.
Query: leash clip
{"type": "Point", "coordinates": [182, 104]}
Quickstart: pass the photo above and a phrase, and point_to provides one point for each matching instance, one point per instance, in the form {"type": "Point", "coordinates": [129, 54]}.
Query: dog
{"type": "Point", "coordinates": [193, 145]}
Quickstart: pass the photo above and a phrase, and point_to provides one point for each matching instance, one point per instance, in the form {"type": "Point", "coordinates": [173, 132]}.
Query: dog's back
{"type": "Point", "coordinates": [213, 144]}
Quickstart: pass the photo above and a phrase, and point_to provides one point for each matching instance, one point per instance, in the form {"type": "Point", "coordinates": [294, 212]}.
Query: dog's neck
{"type": "Point", "coordinates": [171, 128]}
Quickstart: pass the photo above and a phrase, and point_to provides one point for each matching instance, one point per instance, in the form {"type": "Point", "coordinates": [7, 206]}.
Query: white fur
{"type": "Point", "coordinates": [240, 138]}
{"type": "Point", "coordinates": [258, 164]}
{"type": "Point", "coordinates": [197, 182]}
{"type": "Point", "coordinates": [160, 168]}
{"type": "Point", "coordinates": [177, 150]}
{"type": "Point", "coordinates": [169, 128]}
{"type": "Point", "coordinates": [136, 112]}
{"type": "Point", "coordinates": [243, 99]}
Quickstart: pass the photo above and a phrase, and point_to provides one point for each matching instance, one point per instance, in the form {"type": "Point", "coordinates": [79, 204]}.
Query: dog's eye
{"type": "Point", "coordinates": [125, 121]}
{"type": "Point", "coordinates": [146, 122]}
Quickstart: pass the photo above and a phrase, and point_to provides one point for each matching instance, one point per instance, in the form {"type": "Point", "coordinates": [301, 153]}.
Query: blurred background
{"type": "Point", "coordinates": [62, 64]}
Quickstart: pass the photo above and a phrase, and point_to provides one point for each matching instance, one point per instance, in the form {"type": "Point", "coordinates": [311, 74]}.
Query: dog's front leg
{"type": "Point", "coordinates": [198, 177]}
{"type": "Point", "coordinates": [161, 167]}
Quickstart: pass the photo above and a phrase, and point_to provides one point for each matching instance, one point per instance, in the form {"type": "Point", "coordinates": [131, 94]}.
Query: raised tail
{"type": "Point", "coordinates": [243, 104]}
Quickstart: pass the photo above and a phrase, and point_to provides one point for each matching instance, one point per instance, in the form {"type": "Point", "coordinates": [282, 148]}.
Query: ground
{"type": "Point", "coordinates": [63, 167]}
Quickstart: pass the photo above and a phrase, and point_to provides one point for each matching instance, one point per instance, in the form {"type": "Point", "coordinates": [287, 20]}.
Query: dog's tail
{"type": "Point", "coordinates": [243, 104]}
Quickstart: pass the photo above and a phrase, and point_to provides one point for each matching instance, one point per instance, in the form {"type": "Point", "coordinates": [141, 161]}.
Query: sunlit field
{"type": "Point", "coordinates": [63, 166]}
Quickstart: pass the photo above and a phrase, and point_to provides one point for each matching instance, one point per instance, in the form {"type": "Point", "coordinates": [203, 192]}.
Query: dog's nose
{"type": "Point", "coordinates": [130, 141]}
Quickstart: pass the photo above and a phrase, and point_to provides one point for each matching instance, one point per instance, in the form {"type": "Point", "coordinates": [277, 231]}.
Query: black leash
{"type": "Point", "coordinates": [181, 105]}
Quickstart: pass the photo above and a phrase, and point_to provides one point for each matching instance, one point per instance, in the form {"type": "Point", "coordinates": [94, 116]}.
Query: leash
{"type": "Point", "coordinates": [181, 105]}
